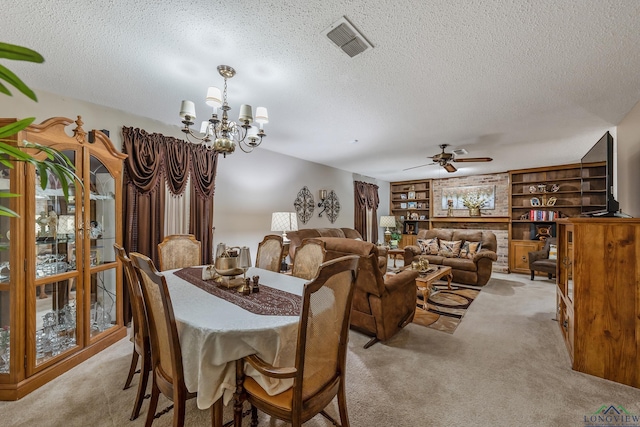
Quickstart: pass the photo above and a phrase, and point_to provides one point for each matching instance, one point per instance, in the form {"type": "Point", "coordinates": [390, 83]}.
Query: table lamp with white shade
{"type": "Point", "coordinates": [284, 221]}
{"type": "Point", "coordinates": [387, 221]}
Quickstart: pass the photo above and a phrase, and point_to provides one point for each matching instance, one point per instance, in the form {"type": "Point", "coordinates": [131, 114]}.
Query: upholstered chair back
{"type": "Point", "coordinates": [179, 251]}
{"type": "Point", "coordinates": [308, 259]}
{"type": "Point", "coordinates": [270, 253]}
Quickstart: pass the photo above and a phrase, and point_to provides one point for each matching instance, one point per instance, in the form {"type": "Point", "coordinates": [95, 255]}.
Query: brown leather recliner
{"type": "Point", "coordinates": [381, 305]}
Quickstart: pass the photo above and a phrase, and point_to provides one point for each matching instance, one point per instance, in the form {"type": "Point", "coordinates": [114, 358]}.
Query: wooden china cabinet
{"type": "Point", "coordinates": [60, 284]}
{"type": "Point", "coordinates": [598, 296]}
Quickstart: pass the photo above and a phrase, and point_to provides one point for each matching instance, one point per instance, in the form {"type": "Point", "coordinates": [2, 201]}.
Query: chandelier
{"type": "Point", "coordinates": [220, 134]}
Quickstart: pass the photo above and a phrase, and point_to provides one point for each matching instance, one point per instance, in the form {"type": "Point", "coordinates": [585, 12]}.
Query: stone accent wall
{"type": "Point", "coordinates": [501, 229]}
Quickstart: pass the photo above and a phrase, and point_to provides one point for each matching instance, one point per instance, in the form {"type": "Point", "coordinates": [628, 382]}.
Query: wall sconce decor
{"type": "Point", "coordinates": [304, 205]}
{"type": "Point", "coordinates": [330, 204]}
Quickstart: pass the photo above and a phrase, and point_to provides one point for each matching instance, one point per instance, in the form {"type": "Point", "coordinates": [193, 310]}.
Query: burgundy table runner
{"type": "Point", "coordinates": [269, 301]}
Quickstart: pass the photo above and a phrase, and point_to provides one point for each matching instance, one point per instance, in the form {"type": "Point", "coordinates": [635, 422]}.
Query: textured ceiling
{"type": "Point", "coordinates": [529, 83]}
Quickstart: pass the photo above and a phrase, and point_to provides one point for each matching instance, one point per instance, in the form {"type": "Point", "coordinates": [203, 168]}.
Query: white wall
{"type": "Point", "coordinates": [628, 167]}
{"type": "Point", "coordinates": [249, 187]}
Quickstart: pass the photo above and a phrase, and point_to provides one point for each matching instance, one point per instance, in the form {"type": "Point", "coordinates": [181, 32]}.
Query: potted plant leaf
{"type": "Point", "coordinates": [54, 162]}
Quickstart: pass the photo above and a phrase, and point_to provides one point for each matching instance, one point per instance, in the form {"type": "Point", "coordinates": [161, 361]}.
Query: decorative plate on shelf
{"type": "Point", "coordinates": [535, 201]}
{"type": "Point", "coordinates": [533, 189]}
{"type": "Point", "coordinates": [551, 201]}
{"type": "Point", "coordinates": [555, 187]}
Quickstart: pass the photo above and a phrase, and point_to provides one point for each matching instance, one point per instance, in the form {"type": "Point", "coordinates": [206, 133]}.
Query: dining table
{"type": "Point", "coordinates": [218, 326]}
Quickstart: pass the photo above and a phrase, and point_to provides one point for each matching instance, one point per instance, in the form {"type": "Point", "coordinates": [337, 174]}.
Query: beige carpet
{"type": "Point", "coordinates": [506, 365]}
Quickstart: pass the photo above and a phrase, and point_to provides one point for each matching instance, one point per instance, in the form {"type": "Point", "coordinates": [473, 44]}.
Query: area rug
{"type": "Point", "coordinates": [445, 308]}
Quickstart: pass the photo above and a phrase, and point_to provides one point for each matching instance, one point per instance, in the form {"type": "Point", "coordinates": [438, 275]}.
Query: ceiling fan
{"type": "Point", "coordinates": [444, 159]}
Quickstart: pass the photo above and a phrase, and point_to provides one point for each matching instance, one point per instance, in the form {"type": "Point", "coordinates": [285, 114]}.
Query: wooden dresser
{"type": "Point", "coordinates": [598, 296]}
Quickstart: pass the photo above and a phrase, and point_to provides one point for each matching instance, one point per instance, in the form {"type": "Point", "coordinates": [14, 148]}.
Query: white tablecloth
{"type": "Point", "coordinates": [215, 333]}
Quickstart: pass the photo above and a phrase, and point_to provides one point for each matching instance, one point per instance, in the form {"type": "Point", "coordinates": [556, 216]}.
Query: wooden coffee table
{"type": "Point", "coordinates": [425, 281]}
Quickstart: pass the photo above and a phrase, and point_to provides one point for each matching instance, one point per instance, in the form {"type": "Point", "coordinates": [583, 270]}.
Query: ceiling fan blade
{"type": "Point", "coordinates": [450, 168]}
{"type": "Point", "coordinates": [415, 167]}
{"type": "Point", "coordinates": [474, 159]}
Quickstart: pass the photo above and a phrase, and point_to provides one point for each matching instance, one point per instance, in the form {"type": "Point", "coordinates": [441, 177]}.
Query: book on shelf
{"type": "Point", "coordinates": [541, 215]}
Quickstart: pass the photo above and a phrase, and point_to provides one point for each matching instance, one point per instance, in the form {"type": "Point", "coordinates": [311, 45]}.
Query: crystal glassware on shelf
{"type": "Point", "coordinates": [5, 349]}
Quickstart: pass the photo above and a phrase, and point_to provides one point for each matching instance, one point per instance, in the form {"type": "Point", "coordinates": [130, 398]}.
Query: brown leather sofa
{"type": "Point", "coordinates": [296, 238]}
{"type": "Point", "coordinates": [381, 305]}
{"type": "Point", "coordinates": [469, 271]}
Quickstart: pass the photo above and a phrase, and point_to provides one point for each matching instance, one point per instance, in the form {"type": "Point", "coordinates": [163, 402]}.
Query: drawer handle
{"type": "Point", "coordinates": [565, 324]}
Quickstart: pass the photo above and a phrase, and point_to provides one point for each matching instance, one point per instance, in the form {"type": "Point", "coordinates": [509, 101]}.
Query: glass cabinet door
{"type": "Point", "coordinates": [5, 251]}
{"type": "Point", "coordinates": [102, 236]}
{"type": "Point", "coordinates": [569, 264]}
{"type": "Point", "coordinates": [56, 272]}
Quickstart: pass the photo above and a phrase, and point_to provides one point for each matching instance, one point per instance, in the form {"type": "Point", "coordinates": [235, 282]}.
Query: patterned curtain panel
{"type": "Point", "coordinates": [366, 210]}
{"type": "Point", "coordinates": [204, 165]}
{"type": "Point", "coordinates": [144, 192]}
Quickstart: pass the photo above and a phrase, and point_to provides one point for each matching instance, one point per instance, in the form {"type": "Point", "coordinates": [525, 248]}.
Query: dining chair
{"type": "Point", "coordinates": [179, 251]}
{"type": "Point", "coordinates": [309, 256]}
{"type": "Point", "coordinates": [321, 351]}
{"type": "Point", "coordinates": [270, 253]}
{"type": "Point", "coordinates": [166, 354]}
{"type": "Point", "coordinates": [141, 344]}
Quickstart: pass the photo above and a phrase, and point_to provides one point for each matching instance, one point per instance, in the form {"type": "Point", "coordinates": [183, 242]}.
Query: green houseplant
{"type": "Point", "coordinates": [54, 162]}
{"type": "Point", "coordinates": [395, 238]}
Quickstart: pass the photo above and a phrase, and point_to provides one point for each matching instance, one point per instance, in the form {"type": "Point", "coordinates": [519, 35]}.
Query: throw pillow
{"type": "Point", "coordinates": [469, 249]}
{"type": "Point", "coordinates": [553, 252]}
{"type": "Point", "coordinates": [450, 248]}
{"type": "Point", "coordinates": [429, 246]}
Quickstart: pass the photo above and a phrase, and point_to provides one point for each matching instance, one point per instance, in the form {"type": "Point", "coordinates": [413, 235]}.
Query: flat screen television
{"type": "Point", "coordinates": [601, 152]}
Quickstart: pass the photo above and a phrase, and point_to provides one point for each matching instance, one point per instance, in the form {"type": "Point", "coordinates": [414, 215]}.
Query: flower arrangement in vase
{"type": "Point", "coordinates": [474, 202]}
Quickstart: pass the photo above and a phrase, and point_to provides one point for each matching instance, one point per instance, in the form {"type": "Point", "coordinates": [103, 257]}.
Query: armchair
{"type": "Point", "coordinates": [382, 305]}
{"type": "Point", "coordinates": [539, 260]}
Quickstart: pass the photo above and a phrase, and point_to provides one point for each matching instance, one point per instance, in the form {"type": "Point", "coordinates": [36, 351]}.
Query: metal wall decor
{"type": "Point", "coordinates": [304, 205]}
{"type": "Point", "coordinates": [332, 206]}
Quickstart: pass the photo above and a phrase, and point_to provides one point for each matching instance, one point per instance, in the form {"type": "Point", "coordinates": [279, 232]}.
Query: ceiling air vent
{"type": "Point", "coordinates": [345, 36]}
{"type": "Point", "coordinates": [460, 151]}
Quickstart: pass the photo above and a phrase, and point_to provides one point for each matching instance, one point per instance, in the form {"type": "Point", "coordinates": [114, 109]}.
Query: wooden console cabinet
{"type": "Point", "coordinates": [598, 296]}
{"type": "Point", "coordinates": [60, 283]}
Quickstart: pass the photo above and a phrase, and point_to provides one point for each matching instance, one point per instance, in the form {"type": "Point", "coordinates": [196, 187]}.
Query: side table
{"type": "Point", "coordinates": [393, 253]}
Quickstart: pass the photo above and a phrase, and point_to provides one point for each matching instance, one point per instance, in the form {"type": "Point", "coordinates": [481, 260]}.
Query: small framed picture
{"type": "Point", "coordinates": [422, 217]}
{"type": "Point", "coordinates": [412, 205]}
{"type": "Point", "coordinates": [403, 196]}
{"type": "Point", "coordinates": [403, 206]}
{"type": "Point", "coordinates": [410, 227]}
{"type": "Point", "coordinates": [412, 194]}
